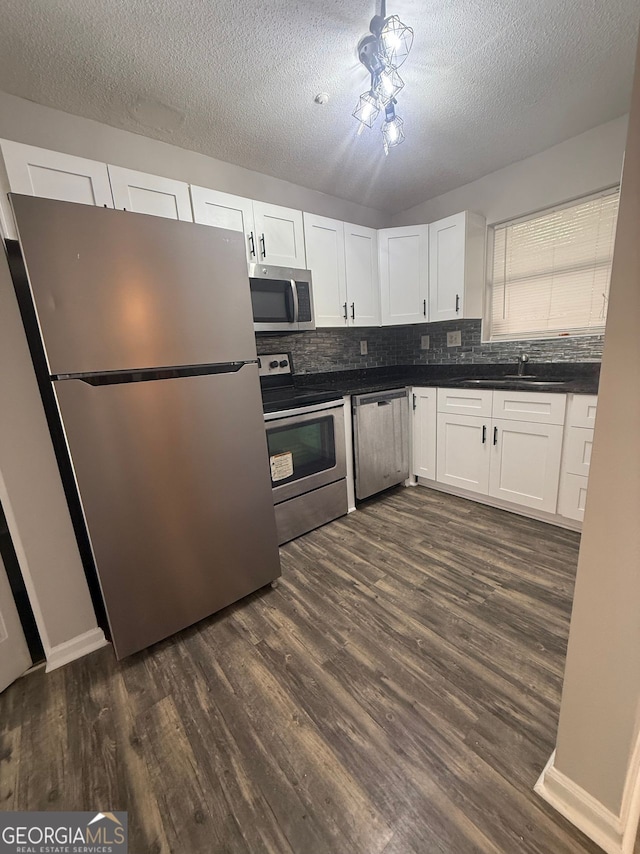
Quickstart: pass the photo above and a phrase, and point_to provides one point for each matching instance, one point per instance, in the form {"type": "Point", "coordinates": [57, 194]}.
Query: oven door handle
{"type": "Point", "coordinates": [311, 409]}
{"type": "Point", "coordinates": [294, 297]}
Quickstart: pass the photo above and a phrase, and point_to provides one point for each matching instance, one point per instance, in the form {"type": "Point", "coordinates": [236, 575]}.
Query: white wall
{"type": "Point", "coordinates": [580, 165]}
{"type": "Point", "coordinates": [596, 778]}
{"type": "Point", "coordinates": [25, 121]}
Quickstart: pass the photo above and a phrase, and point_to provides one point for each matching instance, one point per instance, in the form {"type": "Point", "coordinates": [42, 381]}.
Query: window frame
{"type": "Point", "coordinates": [551, 335]}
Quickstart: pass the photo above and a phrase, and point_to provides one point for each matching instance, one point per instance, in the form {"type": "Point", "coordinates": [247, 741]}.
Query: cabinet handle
{"type": "Point", "coordinates": [353, 311]}
{"type": "Point", "coordinates": [414, 403]}
{"type": "Point", "coordinates": [263, 245]}
{"type": "Point", "coordinates": [252, 245]}
{"type": "Point", "coordinates": [484, 433]}
{"type": "Point", "coordinates": [495, 435]}
{"type": "Point", "coordinates": [457, 303]}
{"type": "Point", "coordinates": [424, 307]}
{"type": "Point", "coordinates": [346, 316]}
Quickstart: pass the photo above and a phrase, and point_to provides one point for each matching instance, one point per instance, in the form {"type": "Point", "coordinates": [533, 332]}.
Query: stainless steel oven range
{"type": "Point", "coordinates": [307, 453]}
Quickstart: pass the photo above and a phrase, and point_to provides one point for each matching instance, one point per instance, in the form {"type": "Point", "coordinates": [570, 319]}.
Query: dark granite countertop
{"type": "Point", "coordinates": [565, 378]}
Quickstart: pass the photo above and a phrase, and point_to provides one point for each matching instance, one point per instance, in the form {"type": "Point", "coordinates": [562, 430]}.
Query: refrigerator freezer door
{"type": "Point", "coordinates": [116, 291]}
{"type": "Point", "coordinates": [174, 482]}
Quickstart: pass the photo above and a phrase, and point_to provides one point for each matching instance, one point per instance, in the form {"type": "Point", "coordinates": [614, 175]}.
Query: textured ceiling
{"type": "Point", "coordinates": [488, 81]}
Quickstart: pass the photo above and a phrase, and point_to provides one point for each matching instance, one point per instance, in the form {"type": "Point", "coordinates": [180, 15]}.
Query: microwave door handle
{"type": "Point", "coordinates": [294, 297]}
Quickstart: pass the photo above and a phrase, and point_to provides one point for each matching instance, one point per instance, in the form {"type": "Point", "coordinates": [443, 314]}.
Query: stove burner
{"type": "Point", "coordinates": [279, 391]}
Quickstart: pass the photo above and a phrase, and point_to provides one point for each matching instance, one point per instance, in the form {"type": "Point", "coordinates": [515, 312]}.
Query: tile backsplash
{"type": "Point", "coordinates": [339, 349]}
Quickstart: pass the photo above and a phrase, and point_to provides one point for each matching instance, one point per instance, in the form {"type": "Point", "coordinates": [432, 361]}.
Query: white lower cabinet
{"type": "Point", "coordinates": [463, 451]}
{"type": "Point", "coordinates": [424, 426]}
{"type": "Point", "coordinates": [508, 458]}
{"type": "Point", "coordinates": [525, 463]}
{"type": "Point", "coordinates": [576, 456]}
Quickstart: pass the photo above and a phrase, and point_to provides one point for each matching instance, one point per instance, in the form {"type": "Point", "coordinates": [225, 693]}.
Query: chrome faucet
{"type": "Point", "coordinates": [522, 361]}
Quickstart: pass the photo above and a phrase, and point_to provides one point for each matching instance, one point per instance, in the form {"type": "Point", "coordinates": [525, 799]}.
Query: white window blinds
{"type": "Point", "coordinates": [551, 271]}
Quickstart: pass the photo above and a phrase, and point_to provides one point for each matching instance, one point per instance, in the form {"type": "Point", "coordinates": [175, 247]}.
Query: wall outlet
{"type": "Point", "coordinates": [363, 348]}
{"type": "Point", "coordinates": [454, 339]}
{"type": "Point", "coordinates": [424, 342]}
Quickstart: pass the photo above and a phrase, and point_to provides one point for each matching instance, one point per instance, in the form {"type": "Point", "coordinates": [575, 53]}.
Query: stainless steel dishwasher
{"type": "Point", "coordinates": [381, 440]}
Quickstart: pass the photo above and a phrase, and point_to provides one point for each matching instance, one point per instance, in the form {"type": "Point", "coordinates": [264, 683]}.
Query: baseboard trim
{"type": "Point", "coordinates": [519, 510]}
{"type": "Point", "coordinates": [77, 647]}
{"type": "Point", "coordinates": [614, 834]}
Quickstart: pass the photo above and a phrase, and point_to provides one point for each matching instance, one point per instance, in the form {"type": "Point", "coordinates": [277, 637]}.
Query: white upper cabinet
{"type": "Point", "coordinates": [456, 267]}
{"type": "Point", "coordinates": [324, 239]}
{"type": "Point", "coordinates": [52, 175]}
{"type": "Point", "coordinates": [223, 210]}
{"type": "Point", "coordinates": [343, 259]}
{"type": "Point", "coordinates": [280, 235]}
{"type": "Point", "coordinates": [363, 287]}
{"type": "Point", "coordinates": [404, 274]}
{"type": "Point", "coordinates": [150, 194]}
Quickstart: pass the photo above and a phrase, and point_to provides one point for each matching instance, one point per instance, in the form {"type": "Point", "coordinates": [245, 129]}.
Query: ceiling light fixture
{"type": "Point", "coordinates": [382, 53]}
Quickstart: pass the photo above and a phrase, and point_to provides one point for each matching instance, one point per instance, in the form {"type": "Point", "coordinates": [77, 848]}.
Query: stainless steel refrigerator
{"type": "Point", "coordinates": [146, 325]}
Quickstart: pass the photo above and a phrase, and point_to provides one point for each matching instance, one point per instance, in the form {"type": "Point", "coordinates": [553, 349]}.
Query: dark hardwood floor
{"type": "Point", "coordinates": [398, 693]}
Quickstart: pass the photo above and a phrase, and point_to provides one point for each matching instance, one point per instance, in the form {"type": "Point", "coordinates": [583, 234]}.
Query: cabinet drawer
{"type": "Point", "coordinates": [529, 406]}
{"type": "Point", "coordinates": [573, 496]}
{"type": "Point", "coordinates": [578, 442]}
{"type": "Point", "coordinates": [464, 401]}
{"type": "Point", "coordinates": [582, 410]}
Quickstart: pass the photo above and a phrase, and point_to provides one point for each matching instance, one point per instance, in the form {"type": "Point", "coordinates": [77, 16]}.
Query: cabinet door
{"type": "Point", "coordinates": [324, 240]}
{"type": "Point", "coordinates": [582, 410]}
{"type": "Point", "coordinates": [525, 463]}
{"type": "Point", "coordinates": [363, 285]}
{"type": "Point", "coordinates": [463, 451]}
{"type": "Point", "coordinates": [223, 210]}
{"type": "Point", "coordinates": [280, 235]}
{"type": "Point", "coordinates": [446, 268]}
{"type": "Point", "coordinates": [424, 432]}
{"type": "Point", "coordinates": [150, 194]}
{"type": "Point", "coordinates": [52, 175]}
{"type": "Point", "coordinates": [404, 274]}
{"type": "Point", "coordinates": [578, 444]}
{"type": "Point", "coordinates": [572, 498]}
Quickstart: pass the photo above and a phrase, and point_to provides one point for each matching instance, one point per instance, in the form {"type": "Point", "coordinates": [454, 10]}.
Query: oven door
{"type": "Point", "coordinates": [306, 449]}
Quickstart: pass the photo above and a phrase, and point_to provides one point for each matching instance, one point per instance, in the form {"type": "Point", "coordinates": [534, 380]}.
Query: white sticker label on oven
{"type": "Point", "coordinates": [281, 466]}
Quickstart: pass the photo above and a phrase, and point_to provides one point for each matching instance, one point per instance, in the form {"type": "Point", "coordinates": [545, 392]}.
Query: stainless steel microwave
{"type": "Point", "coordinates": [281, 298]}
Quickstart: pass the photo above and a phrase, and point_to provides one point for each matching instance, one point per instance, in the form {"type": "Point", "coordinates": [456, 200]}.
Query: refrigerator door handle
{"type": "Point", "coordinates": [294, 297]}
{"type": "Point", "coordinates": [148, 374]}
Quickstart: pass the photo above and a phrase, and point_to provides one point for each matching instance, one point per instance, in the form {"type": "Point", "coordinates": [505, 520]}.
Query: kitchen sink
{"type": "Point", "coordinates": [521, 381]}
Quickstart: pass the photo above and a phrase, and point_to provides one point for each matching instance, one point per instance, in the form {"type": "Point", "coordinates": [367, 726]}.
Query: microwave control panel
{"type": "Point", "coordinates": [304, 302]}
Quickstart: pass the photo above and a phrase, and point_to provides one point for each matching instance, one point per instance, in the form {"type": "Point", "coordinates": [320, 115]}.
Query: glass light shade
{"type": "Point", "coordinates": [389, 84]}
{"type": "Point", "coordinates": [396, 39]}
{"type": "Point", "coordinates": [367, 110]}
{"type": "Point", "coordinates": [392, 133]}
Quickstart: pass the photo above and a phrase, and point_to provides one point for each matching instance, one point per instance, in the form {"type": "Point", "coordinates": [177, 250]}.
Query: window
{"type": "Point", "coordinates": [551, 271]}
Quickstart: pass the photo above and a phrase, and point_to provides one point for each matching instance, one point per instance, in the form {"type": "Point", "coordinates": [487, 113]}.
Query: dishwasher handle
{"type": "Point", "coordinates": [381, 398]}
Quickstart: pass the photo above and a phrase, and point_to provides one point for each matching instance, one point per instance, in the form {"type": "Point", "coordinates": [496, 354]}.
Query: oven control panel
{"type": "Point", "coordinates": [274, 364]}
